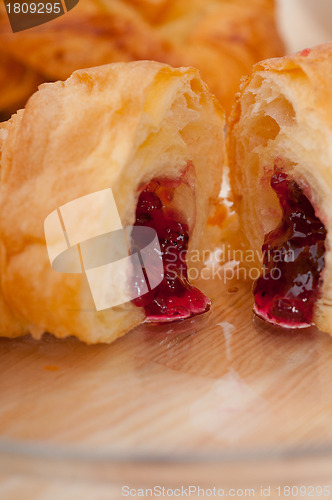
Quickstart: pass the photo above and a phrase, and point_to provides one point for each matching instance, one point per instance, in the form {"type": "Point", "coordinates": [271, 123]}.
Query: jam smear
{"type": "Point", "coordinates": [293, 259]}
{"type": "Point", "coordinates": [174, 298]}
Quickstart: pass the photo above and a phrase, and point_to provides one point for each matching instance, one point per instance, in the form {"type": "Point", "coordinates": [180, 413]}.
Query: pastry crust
{"type": "Point", "coordinates": [222, 38]}
{"type": "Point", "coordinates": [116, 126]}
{"type": "Point", "coordinates": [284, 113]}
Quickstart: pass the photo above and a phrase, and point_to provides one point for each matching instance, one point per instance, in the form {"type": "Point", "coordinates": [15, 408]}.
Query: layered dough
{"type": "Point", "coordinates": [222, 38]}
{"type": "Point", "coordinates": [115, 126]}
{"type": "Point", "coordinates": [283, 119]}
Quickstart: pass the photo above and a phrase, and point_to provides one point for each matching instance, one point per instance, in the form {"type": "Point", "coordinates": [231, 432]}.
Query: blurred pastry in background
{"type": "Point", "coordinates": [155, 136]}
{"type": "Point", "coordinates": [222, 38]}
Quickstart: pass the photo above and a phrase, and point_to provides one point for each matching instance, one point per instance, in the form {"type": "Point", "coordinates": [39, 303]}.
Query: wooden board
{"type": "Point", "coordinates": [221, 383]}
{"type": "Point", "coordinates": [225, 390]}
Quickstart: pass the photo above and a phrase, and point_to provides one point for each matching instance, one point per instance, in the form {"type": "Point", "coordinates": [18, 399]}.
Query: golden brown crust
{"type": "Point", "coordinates": [222, 38]}
{"type": "Point", "coordinates": [114, 126]}
{"type": "Point", "coordinates": [284, 112]}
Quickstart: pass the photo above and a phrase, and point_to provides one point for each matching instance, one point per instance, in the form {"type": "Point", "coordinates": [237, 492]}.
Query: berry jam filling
{"type": "Point", "coordinates": [174, 298]}
{"type": "Point", "coordinates": [293, 260]}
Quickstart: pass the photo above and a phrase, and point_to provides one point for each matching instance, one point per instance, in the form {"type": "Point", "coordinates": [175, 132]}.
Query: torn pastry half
{"type": "Point", "coordinates": [280, 153]}
{"type": "Point", "coordinates": [121, 156]}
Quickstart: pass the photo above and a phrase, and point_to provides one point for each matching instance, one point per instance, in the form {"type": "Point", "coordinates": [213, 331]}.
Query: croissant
{"type": "Point", "coordinates": [222, 38]}
{"type": "Point", "coordinates": [17, 83]}
{"type": "Point", "coordinates": [117, 150]}
{"type": "Point", "coordinates": [279, 144]}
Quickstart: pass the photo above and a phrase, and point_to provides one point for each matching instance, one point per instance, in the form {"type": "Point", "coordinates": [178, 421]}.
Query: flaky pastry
{"type": "Point", "coordinates": [150, 133]}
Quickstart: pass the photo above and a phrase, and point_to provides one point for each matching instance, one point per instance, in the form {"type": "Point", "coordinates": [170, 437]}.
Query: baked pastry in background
{"type": "Point", "coordinates": [17, 83]}
{"type": "Point", "coordinates": [151, 133]}
{"type": "Point", "coordinates": [280, 153]}
{"type": "Point", "coordinates": [222, 38]}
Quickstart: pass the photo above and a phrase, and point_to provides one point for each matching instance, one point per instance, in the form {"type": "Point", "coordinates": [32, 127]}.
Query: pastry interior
{"type": "Point", "coordinates": [175, 297]}
{"type": "Point", "coordinates": [293, 259]}
{"type": "Point", "coordinates": [280, 175]}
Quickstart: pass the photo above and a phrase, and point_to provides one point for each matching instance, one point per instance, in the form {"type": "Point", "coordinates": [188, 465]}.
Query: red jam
{"type": "Point", "coordinates": [174, 298]}
{"type": "Point", "coordinates": [305, 52]}
{"type": "Point", "coordinates": [293, 260]}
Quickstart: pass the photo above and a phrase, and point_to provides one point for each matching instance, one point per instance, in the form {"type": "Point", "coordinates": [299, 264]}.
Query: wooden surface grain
{"type": "Point", "coordinates": [222, 385]}
{"type": "Point", "coordinates": [223, 381]}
